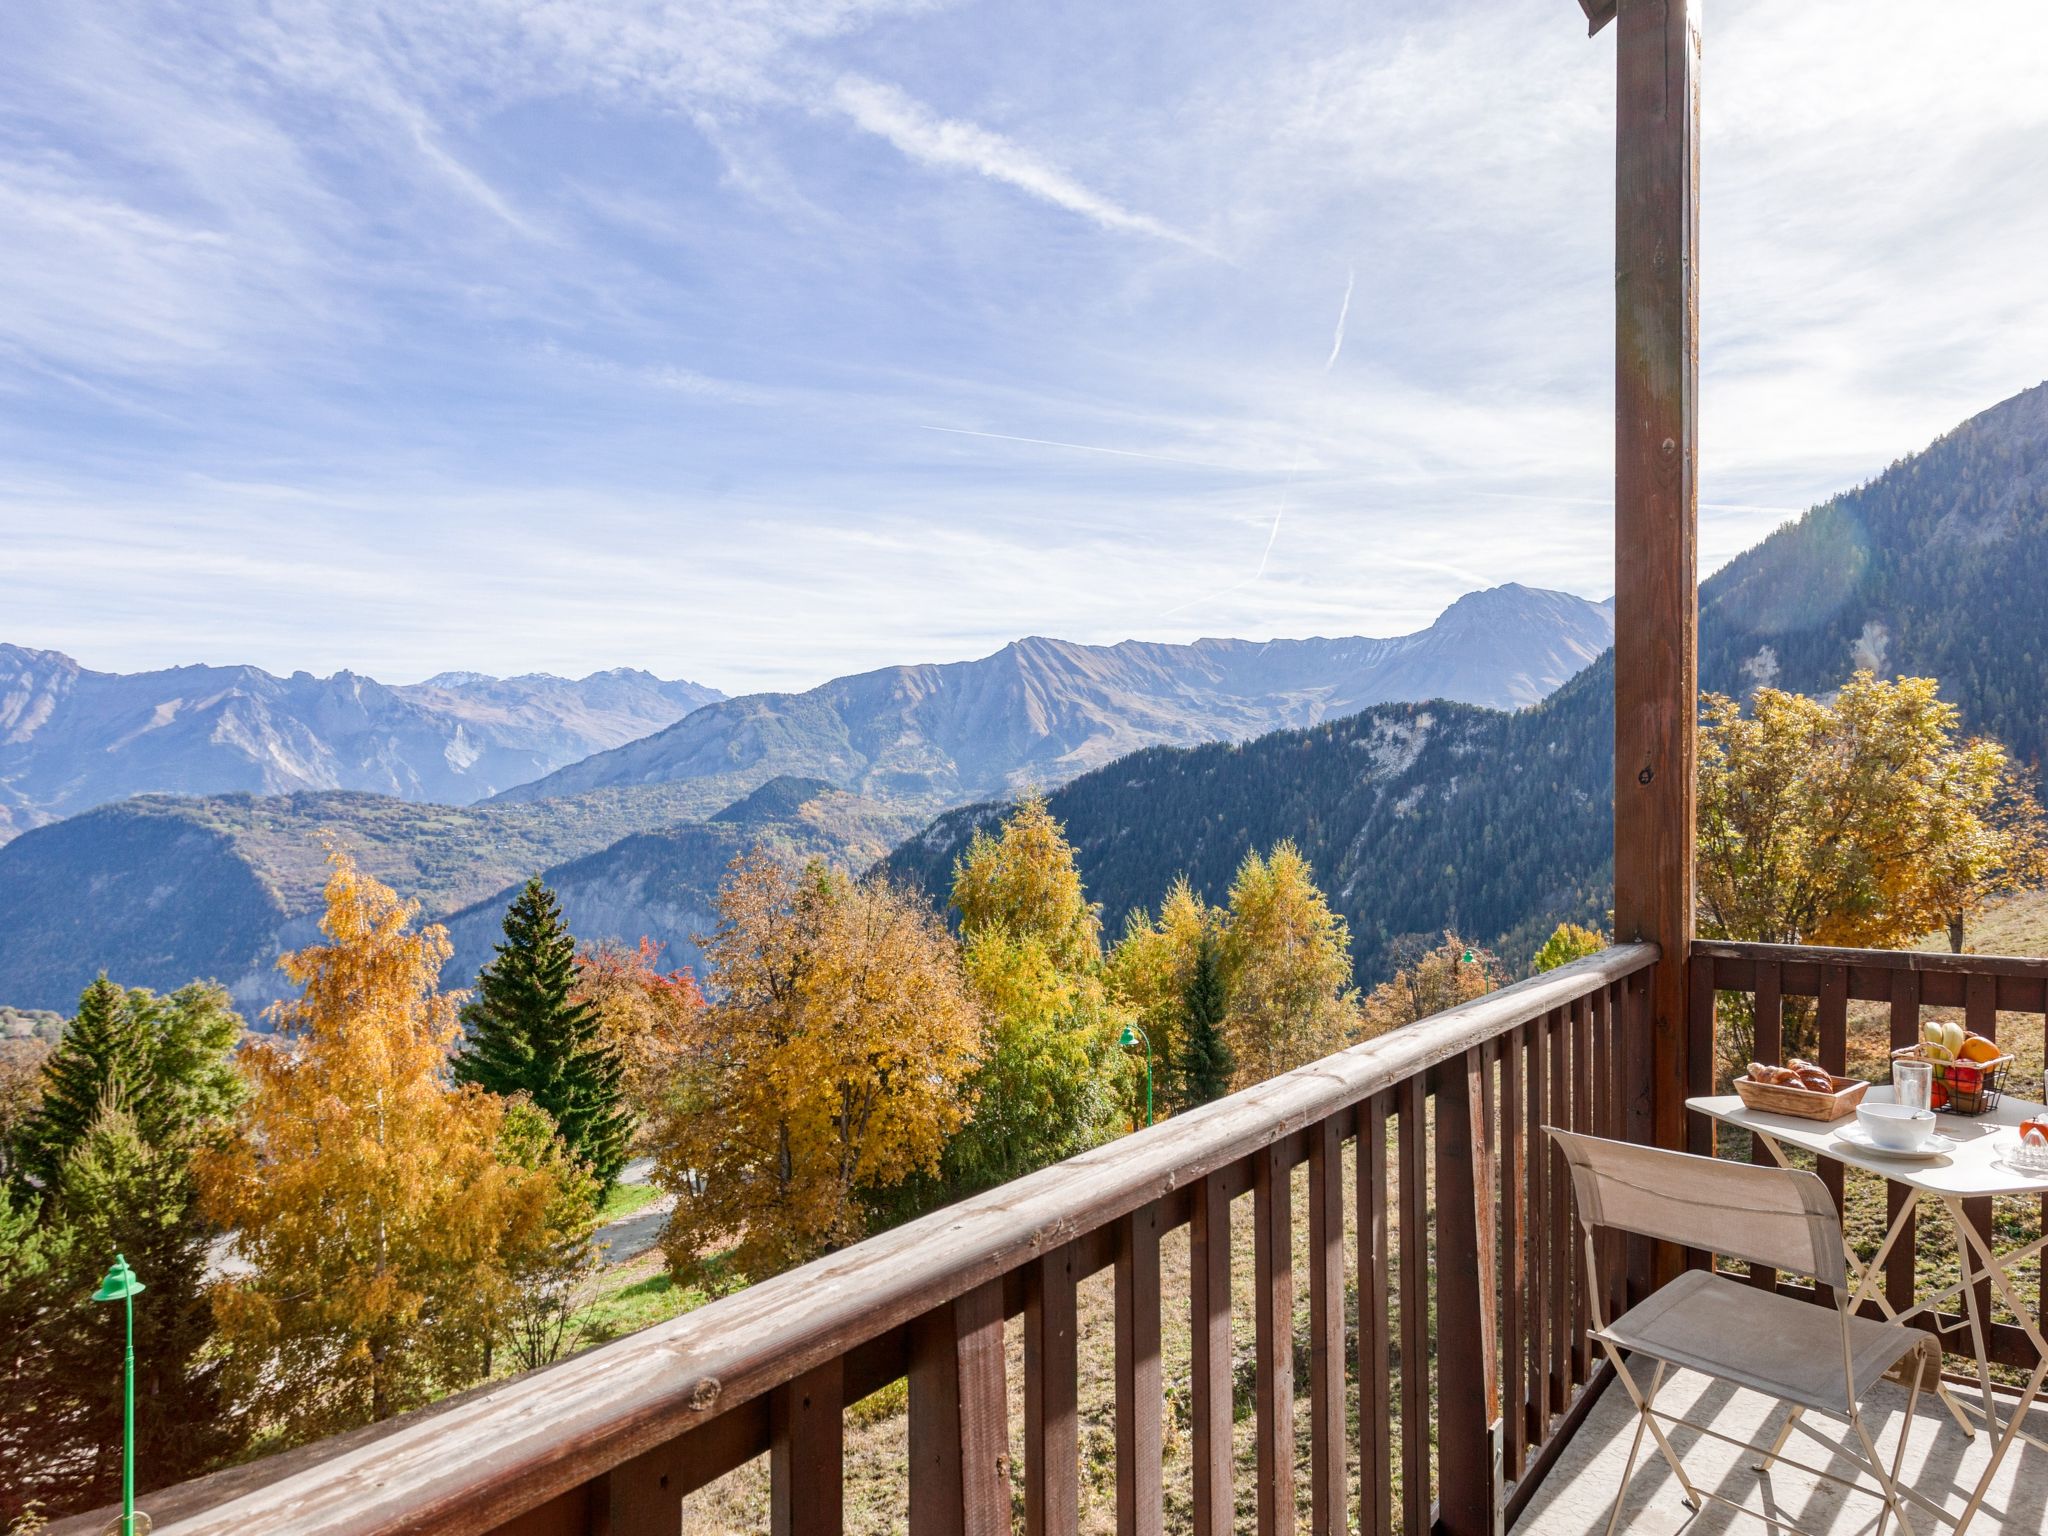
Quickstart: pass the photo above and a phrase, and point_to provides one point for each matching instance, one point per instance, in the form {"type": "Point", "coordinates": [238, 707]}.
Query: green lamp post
{"type": "Point", "coordinates": [1133, 1035]}
{"type": "Point", "coordinates": [122, 1286]}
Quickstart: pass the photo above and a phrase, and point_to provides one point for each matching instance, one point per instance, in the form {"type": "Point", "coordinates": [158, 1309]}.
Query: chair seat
{"type": "Point", "coordinates": [1773, 1344]}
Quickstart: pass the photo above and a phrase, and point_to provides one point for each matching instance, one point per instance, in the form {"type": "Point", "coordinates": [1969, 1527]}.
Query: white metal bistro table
{"type": "Point", "coordinates": [1976, 1169]}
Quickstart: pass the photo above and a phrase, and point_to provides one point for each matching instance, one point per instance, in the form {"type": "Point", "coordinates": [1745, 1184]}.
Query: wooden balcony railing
{"type": "Point", "coordinates": [1442, 1124]}
{"type": "Point", "coordinates": [1980, 987]}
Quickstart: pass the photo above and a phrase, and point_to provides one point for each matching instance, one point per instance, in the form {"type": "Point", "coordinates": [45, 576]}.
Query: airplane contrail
{"type": "Point", "coordinates": [1047, 442]}
{"type": "Point", "coordinates": [1343, 314]}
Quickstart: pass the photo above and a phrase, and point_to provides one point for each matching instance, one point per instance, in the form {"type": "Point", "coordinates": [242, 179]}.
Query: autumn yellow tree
{"type": "Point", "coordinates": [833, 1056]}
{"type": "Point", "coordinates": [1866, 820]}
{"type": "Point", "coordinates": [1152, 969]}
{"type": "Point", "coordinates": [1288, 964]}
{"type": "Point", "coordinates": [1568, 942]}
{"type": "Point", "coordinates": [367, 1197]}
{"type": "Point", "coordinates": [1049, 1078]}
{"type": "Point", "coordinates": [1022, 877]}
{"type": "Point", "coordinates": [1431, 978]}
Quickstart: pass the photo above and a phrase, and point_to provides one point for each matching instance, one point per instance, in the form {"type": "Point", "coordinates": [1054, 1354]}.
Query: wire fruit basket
{"type": "Point", "coordinates": [1962, 1087]}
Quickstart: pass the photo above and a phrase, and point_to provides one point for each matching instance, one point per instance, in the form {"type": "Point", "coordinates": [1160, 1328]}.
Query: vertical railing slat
{"type": "Point", "coordinates": [1536, 1240]}
{"type": "Point", "coordinates": [1140, 1445]}
{"type": "Point", "coordinates": [1327, 1480]}
{"type": "Point", "coordinates": [1899, 1283]}
{"type": "Point", "coordinates": [1415, 1487]}
{"type": "Point", "coordinates": [1375, 1407]}
{"type": "Point", "coordinates": [1769, 1045]}
{"type": "Point", "coordinates": [1833, 1020]}
{"type": "Point", "coordinates": [1468, 1392]}
{"type": "Point", "coordinates": [806, 1453]}
{"type": "Point", "coordinates": [1582, 1120]}
{"type": "Point", "coordinates": [1273, 1265]}
{"type": "Point", "coordinates": [959, 1434]}
{"type": "Point", "coordinates": [1213, 1386]}
{"type": "Point", "coordinates": [1514, 1205]}
{"type": "Point", "coordinates": [1052, 1446]}
{"type": "Point", "coordinates": [1559, 1217]}
{"type": "Point", "coordinates": [1980, 1014]}
{"type": "Point", "coordinates": [1209, 1295]}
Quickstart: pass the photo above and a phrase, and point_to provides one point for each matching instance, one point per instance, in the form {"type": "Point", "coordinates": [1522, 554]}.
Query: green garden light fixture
{"type": "Point", "coordinates": [122, 1286]}
{"type": "Point", "coordinates": [1133, 1035]}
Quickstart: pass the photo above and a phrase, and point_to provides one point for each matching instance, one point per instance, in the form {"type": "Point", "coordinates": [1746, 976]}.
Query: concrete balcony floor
{"type": "Point", "coordinates": [1941, 1464]}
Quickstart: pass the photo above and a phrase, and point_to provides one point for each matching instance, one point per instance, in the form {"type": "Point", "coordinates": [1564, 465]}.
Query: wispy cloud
{"type": "Point", "coordinates": [929, 139]}
{"type": "Point", "coordinates": [1047, 442]}
{"type": "Point", "coordinates": [881, 313]}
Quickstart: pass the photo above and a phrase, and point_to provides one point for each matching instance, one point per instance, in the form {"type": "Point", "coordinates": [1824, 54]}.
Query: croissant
{"type": "Point", "coordinates": [1782, 1077]}
{"type": "Point", "coordinates": [1819, 1082]}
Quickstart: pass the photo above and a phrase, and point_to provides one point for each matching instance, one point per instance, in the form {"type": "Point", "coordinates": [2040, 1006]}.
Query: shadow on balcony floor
{"type": "Point", "coordinates": [1941, 1465]}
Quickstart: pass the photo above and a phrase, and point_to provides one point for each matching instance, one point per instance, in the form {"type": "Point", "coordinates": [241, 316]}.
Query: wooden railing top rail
{"type": "Point", "coordinates": [476, 1462]}
{"type": "Point", "coordinates": [1926, 961]}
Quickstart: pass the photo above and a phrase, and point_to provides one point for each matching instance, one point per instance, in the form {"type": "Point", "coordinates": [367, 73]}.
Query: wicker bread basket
{"type": "Point", "coordinates": [1804, 1103]}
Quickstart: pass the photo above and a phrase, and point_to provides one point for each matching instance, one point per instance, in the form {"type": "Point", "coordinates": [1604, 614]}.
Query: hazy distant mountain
{"type": "Point", "coordinates": [1042, 711]}
{"type": "Point", "coordinates": [72, 738]}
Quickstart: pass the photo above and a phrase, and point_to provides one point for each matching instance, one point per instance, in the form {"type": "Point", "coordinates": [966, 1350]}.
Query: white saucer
{"type": "Point", "coordinates": [1934, 1146]}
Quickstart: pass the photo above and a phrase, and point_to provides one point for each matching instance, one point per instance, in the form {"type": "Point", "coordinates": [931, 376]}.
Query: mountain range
{"type": "Point", "coordinates": [1416, 814]}
{"type": "Point", "coordinates": [161, 888]}
{"type": "Point", "coordinates": [72, 738]}
{"type": "Point", "coordinates": [1039, 711]}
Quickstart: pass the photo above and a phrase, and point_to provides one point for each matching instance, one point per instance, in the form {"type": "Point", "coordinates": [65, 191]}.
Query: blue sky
{"type": "Point", "coordinates": [760, 340]}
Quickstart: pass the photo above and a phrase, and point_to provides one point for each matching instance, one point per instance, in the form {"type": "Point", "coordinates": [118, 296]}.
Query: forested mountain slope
{"type": "Point", "coordinates": [1415, 816]}
{"type": "Point", "coordinates": [1937, 568]}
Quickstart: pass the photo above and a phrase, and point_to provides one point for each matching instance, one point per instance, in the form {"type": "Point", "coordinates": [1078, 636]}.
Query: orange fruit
{"type": "Point", "coordinates": [1977, 1048]}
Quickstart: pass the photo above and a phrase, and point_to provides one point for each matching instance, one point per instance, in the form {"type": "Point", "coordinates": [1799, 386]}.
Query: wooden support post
{"type": "Point", "coordinates": [1469, 1490]}
{"type": "Point", "coordinates": [1656, 506]}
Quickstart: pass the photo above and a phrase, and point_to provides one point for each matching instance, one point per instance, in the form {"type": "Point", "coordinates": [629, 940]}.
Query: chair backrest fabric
{"type": "Point", "coordinates": [1779, 1217]}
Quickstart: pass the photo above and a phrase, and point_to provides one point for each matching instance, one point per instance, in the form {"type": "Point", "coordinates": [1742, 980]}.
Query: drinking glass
{"type": "Point", "coordinates": [1913, 1084]}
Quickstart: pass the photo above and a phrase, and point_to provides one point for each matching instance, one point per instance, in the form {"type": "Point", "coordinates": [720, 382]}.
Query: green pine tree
{"type": "Point", "coordinates": [104, 1058]}
{"type": "Point", "coordinates": [117, 1193]}
{"type": "Point", "coordinates": [1206, 1064]}
{"type": "Point", "coordinates": [524, 1033]}
{"type": "Point", "coordinates": [138, 1087]}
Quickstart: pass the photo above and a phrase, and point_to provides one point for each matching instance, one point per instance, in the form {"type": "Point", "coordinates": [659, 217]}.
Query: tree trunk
{"type": "Point", "coordinates": [1955, 933]}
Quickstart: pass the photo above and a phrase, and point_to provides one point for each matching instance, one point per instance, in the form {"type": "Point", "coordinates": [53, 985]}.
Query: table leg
{"type": "Point", "coordinates": [1980, 1327]}
{"type": "Point", "coordinates": [1997, 1272]}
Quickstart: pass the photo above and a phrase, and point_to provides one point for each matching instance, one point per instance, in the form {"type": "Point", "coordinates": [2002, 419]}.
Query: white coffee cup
{"type": "Point", "coordinates": [1895, 1127]}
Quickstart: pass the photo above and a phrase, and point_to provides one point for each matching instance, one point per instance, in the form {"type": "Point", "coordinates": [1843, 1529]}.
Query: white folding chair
{"type": "Point", "coordinates": [1804, 1355]}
